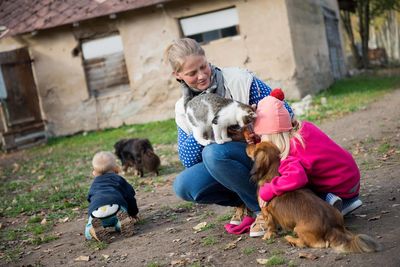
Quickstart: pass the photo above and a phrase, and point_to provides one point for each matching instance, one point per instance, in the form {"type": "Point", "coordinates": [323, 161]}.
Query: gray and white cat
{"type": "Point", "coordinates": [210, 115]}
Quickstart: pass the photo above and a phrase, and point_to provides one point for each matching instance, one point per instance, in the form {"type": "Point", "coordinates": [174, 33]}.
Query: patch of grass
{"type": "Point", "coordinates": [276, 260]}
{"type": "Point", "coordinates": [248, 250]}
{"type": "Point", "coordinates": [154, 264]}
{"type": "Point", "coordinates": [208, 241]}
{"type": "Point", "coordinates": [37, 240]}
{"type": "Point", "coordinates": [185, 205]}
{"type": "Point", "coordinates": [270, 241]}
{"type": "Point", "coordinates": [224, 217]}
{"type": "Point", "coordinates": [207, 227]}
{"type": "Point", "coordinates": [349, 95]}
{"type": "Point", "coordinates": [11, 255]}
{"type": "Point", "coordinates": [96, 245]}
{"type": "Point", "coordinates": [207, 214]}
{"type": "Point", "coordinates": [195, 264]}
{"type": "Point", "coordinates": [384, 148]}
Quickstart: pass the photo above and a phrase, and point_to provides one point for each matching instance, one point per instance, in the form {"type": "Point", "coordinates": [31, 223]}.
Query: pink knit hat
{"type": "Point", "coordinates": [272, 116]}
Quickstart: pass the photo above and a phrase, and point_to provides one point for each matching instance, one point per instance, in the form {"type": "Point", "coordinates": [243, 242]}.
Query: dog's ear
{"type": "Point", "coordinates": [261, 164]}
{"type": "Point", "coordinates": [250, 150]}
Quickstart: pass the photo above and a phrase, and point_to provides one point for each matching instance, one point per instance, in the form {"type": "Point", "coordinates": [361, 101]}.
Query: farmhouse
{"type": "Point", "coordinates": [82, 65]}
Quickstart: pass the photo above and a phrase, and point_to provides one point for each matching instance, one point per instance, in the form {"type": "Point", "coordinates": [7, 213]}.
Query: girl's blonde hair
{"type": "Point", "coordinates": [104, 161]}
{"type": "Point", "coordinates": [282, 140]}
{"type": "Point", "coordinates": [179, 49]}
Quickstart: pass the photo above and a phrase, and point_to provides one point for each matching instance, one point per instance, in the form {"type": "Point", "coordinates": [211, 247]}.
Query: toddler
{"type": "Point", "coordinates": [309, 158]}
{"type": "Point", "coordinates": [111, 198]}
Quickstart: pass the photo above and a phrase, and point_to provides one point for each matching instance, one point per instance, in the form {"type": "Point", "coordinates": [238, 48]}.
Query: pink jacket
{"type": "Point", "coordinates": [321, 165]}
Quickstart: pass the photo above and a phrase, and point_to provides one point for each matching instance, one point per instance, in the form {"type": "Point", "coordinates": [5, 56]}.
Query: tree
{"type": "Point", "coordinates": [366, 11]}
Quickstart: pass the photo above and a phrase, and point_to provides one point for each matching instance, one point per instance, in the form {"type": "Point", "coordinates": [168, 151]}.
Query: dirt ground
{"type": "Point", "coordinates": [166, 236]}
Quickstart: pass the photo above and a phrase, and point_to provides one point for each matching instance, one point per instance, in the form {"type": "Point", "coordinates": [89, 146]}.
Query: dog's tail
{"type": "Point", "coordinates": [345, 241]}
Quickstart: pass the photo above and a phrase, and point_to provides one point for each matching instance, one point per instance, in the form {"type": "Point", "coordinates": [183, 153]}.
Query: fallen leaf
{"type": "Point", "coordinates": [83, 258]}
{"type": "Point", "coordinates": [305, 255]}
{"type": "Point", "coordinates": [232, 244]}
{"type": "Point", "coordinates": [47, 250]}
{"type": "Point", "coordinates": [385, 211]}
{"type": "Point", "coordinates": [16, 167]}
{"type": "Point", "coordinates": [65, 220]}
{"type": "Point", "coordinates": [395, 205]}
{"type": "Point", "coordinates": [181, 262]}
{"type": "Point", "coordinates": [374, 218]}
{"type": "Point", "coordinates": [40, 177]}
{"type": "Point", "coordinates": [199, 227]}
{"type": "Point", "coordinates": [105, 256]}
{"type": "Point", "coordinates": [262, 261]}
{"type": "Point", "coordinates": [176, 240]}
{"type": "Point", "coordinates": [43, 222]}
{"type": "Point", "coordinates": [1, 225]}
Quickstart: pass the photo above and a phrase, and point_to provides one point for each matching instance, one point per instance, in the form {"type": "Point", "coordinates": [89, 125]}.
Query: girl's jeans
{"type": "Point", "coordinates": [222, 178]}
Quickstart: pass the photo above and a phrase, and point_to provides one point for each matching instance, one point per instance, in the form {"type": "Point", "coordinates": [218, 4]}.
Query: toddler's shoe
{"type": "Point", "coordinates": [334, 201]}
{"type": "Point", "coordinates": [125, 224]}
{"type": "Point", "coordinates": [350, 205]}
{"type": "Point", "coordinates": [259, 227]}
{"type": "Point", "coordinates": [93, 228]}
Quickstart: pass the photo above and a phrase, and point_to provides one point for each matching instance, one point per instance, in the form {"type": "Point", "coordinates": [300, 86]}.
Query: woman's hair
{"type": "Point", "coordinates": [282, 140]}
{"type": "Point", "coordinates": [104, 162]}
{"type": "Point", "coordinates": [179, 49]}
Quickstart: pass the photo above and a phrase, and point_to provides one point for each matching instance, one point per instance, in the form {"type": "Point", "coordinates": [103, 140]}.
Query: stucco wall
{"type": "Point", "coordinates": [267, 45]}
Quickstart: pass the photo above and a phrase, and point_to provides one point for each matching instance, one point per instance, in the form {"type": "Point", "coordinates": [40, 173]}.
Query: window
{"type": "Point", "coordinates": [211, 26]}
{"type": "Point", "coordinates": [104, 64]}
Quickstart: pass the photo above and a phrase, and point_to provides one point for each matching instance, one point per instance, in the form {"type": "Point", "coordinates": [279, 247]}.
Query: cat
{"type": "Point", "coordinates": [210, 115]}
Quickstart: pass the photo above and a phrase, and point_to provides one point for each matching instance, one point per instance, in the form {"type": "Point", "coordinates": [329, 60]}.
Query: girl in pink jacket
{"type": "Point", "coordinates": [309, 158]}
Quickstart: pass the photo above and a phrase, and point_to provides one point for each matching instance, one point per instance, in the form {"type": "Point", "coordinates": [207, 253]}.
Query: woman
{"type": "Point", "coordinates": [215, 174]}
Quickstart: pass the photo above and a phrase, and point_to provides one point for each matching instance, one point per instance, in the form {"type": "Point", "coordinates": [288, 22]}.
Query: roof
{"type": "Point", "coordinates": [22, 16]}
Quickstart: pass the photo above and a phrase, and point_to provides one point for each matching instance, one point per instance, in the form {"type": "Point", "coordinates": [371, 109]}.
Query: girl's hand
{"type": "Point", "coordinates": [261, 202]}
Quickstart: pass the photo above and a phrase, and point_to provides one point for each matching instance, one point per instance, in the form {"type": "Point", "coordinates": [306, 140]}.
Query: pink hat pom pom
{"type": "Point", "coordinates": [278, 94]}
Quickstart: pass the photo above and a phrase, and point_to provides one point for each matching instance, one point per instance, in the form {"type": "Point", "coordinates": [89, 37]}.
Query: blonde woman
{"type": "Point", "coordinates": [218, 173]}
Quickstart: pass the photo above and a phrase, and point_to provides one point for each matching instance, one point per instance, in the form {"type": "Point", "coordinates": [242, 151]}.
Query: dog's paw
{"type": "Point", "coordinates": [269, 235]}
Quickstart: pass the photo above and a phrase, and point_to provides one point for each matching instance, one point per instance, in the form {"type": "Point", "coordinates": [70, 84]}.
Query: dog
{"type": "Point", "coordinates": [316, 223]}
{"type": "Point", "coordinates": [137, 153]}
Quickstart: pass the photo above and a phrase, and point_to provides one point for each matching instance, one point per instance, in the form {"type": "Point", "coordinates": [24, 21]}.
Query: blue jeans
{"type": "Point", "coordinates": [222, 178]}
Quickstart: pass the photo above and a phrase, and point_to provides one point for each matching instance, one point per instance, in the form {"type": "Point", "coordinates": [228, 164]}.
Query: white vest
{"type": "Point", "coordinates": [237, 83]}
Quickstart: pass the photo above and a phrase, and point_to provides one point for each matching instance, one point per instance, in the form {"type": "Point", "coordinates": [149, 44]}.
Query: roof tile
{"type": "Point", "coordinates": [21, 16]}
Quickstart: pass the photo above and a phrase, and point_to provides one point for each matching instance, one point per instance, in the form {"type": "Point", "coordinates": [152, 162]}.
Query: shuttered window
{"type": "Point", "coordinates": [104, 64]}
{"type": "Point", "coordinates": [211, 26]}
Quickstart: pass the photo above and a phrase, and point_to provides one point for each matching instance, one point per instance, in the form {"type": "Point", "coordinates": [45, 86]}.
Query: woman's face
{"type": "Point", "coordinates": [195, 72]}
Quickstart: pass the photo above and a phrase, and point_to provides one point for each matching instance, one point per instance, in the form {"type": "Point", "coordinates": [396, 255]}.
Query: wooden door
{"type": "Point", "coordinates": [21, 114]}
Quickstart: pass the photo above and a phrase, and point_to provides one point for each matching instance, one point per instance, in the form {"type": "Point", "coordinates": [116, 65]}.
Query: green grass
{"type": "Point", "coordinates": [349, 95]}
{"type": "Point", "coordinates": [209, 241]}
{"type": "Point", "coordinates": [275, 260]}
{"type": "Point", "coordinates": [248, 250]}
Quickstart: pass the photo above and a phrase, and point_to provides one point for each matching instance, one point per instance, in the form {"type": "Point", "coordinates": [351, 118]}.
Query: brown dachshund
{"type": "Point", "coordinates": [315, 222]}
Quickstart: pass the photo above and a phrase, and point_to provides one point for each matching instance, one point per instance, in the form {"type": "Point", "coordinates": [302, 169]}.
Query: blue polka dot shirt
{"type": "Point", "coordinates": [189, 150]}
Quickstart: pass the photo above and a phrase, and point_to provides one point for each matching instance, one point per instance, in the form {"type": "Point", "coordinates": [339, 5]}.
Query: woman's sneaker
{"type": "Point", "coordinates": [350, 205]}
{"type": "Point", "coordinates": [237, 218]}
{"type": "Point", "coordinates": [259, 227]}
{"type": "Point", "coordinates": [334, 201]}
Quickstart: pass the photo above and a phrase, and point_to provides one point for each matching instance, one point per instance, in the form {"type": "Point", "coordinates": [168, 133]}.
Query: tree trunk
{"type": "Point", "coordinates": [363, 16]}
{"type": "Point", "coordinates": [346, 18]}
